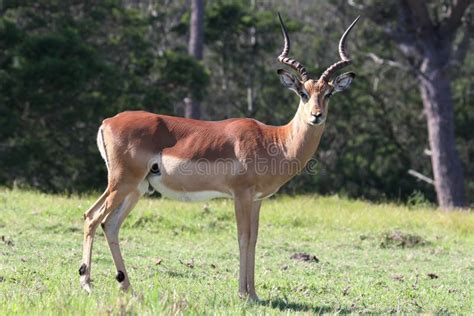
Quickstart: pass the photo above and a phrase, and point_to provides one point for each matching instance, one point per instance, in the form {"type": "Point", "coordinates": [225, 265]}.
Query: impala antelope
{"type": "Point", "coordinates": [144, 151]}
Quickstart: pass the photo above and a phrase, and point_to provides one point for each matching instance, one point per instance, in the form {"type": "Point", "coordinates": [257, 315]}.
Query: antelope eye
{"type": "Point", "coordinates": [304, 96]}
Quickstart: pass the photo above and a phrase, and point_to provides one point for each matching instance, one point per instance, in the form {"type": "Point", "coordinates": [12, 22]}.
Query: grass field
{"type": "Point", "coordinates": [372, 258]}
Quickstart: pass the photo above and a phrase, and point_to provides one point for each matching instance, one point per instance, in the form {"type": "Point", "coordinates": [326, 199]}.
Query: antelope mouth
{"type": "Point", "coordinates": [316, 119]}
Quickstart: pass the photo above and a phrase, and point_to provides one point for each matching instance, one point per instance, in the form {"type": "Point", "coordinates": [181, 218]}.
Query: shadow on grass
{"type": "Point", "coordinates": [298, 307]}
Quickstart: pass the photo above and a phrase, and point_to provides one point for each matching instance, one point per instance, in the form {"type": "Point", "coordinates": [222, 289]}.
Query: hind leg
{"type": "Point", "coordinates": [92, 218]}
{"type": "Point", "coordinates": [111, 226]}
{"type": "Point", "coordinates": [84, 270]}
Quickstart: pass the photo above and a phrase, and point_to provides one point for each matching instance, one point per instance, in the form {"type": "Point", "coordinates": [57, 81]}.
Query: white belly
{"type": "Point", "coordinates": [195, 196]}
{"type": "Point", "coordinates": [172, 167]}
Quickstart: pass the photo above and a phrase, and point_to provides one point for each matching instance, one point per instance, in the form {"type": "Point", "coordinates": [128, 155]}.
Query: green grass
{"type": "Point", "coordinates": [41, 247]}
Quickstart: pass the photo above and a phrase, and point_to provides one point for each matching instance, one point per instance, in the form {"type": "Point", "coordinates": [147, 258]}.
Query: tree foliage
{"type": "Point", "coordinates": [65, 67]}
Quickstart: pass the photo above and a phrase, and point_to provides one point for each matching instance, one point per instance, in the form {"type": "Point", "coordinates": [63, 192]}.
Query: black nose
{"type": "Point", "coordinates": [316, 118]}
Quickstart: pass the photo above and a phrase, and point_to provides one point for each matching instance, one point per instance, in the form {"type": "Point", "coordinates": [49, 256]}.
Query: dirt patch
{"type": "Point", "coordinates": [398, 277]}
{"type": "Point", "coordinates": [304, 257]}
{"type": "Point", "coordinates": [346, 290]}
{"type": "Point", "coordinates": [189, 264]}
{"type": "Point", "coordinates": [7, 241]}
{"type": "Point", "coordinates": [398, 239]}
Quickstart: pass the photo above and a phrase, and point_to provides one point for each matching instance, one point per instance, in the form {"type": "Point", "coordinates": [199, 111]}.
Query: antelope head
{"type": "Point", "coordinates": [314, 94]}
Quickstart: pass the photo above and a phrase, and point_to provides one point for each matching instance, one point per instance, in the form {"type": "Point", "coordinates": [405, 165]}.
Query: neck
{"type": "Point", "coordinates": [302, 139]}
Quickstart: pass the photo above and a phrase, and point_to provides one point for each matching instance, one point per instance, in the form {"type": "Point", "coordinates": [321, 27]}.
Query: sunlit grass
{"type": "Point", "coordinates": [41, 249]}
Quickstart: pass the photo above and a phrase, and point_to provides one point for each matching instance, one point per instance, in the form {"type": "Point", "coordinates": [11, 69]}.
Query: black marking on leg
{"type": "Point", "coordinates": [120, 276]}
{"type": "Point", "coordinates": [102, 225]}
{"type": "Point", "coordinates": [82, 269]}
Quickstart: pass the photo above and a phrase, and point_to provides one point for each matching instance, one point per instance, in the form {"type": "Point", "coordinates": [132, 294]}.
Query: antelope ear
{"type": "Point", "coordinates": [290, 81]}
{"type": "Point", "coordinates": [287, 79]}
{"type": "Point", "coordinates": [342, 82]}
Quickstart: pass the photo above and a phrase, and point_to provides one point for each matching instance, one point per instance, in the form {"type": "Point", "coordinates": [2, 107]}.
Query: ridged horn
{"type": "Point", "coordinates": [345, 60]}
{"type": "Point", "coordinates": [284, 59]}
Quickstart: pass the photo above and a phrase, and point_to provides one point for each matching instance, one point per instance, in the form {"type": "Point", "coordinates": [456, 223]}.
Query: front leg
{"type": "Point", "coordinates": [254, 219]}
{"type": "Point", "coordinates": [246, 212]}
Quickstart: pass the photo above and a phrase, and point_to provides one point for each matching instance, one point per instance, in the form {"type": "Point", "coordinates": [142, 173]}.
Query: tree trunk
{"type": "Point", "coordinates": [192, 108]}
{"type": "Point", "coordinates": [434, 85]}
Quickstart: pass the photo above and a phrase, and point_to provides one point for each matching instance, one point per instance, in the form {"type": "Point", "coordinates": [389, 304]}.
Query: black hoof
{"type": "Point", "coordinates": [120, 276]}
{"type": "Point", "coordinates": [82, 269]}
